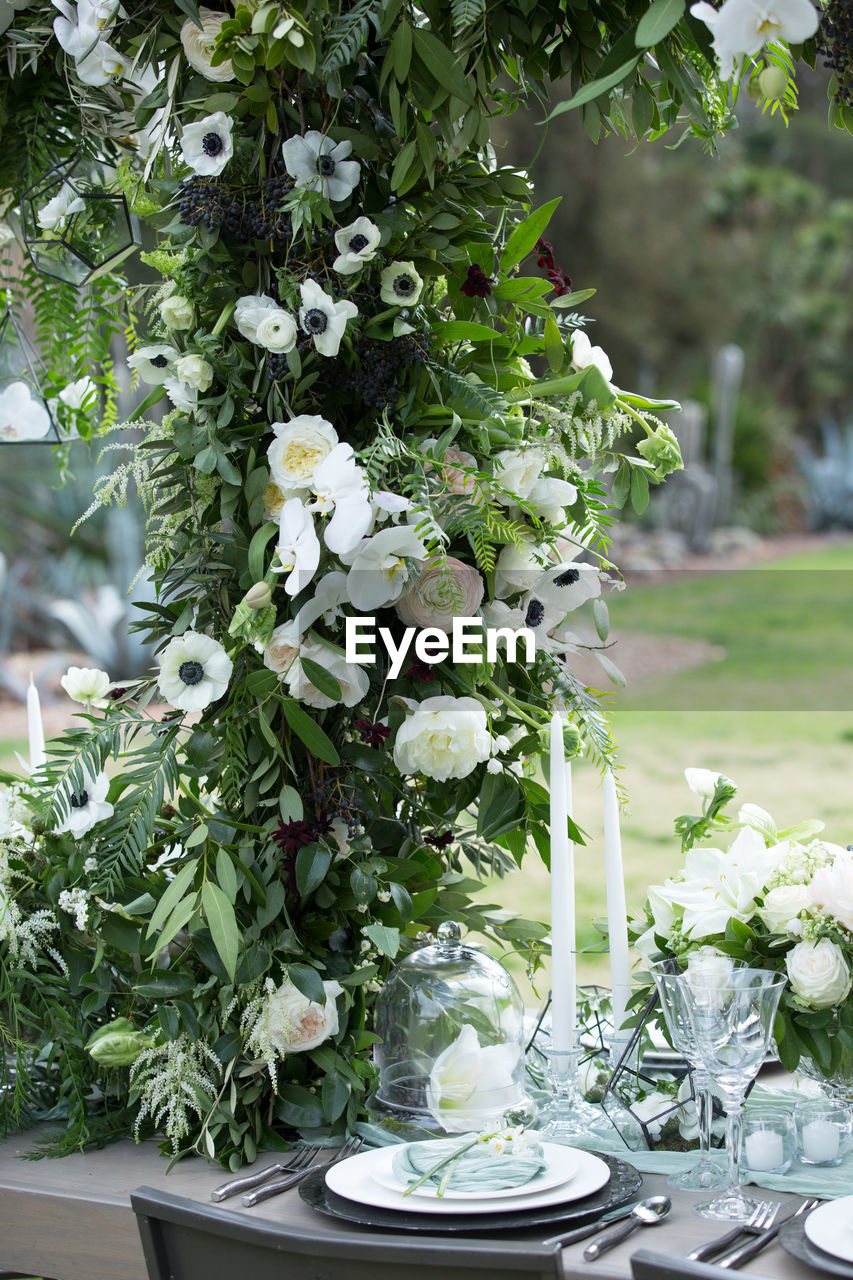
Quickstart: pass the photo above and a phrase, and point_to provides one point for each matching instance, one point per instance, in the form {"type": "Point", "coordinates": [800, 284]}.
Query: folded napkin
{"type": "Point", "coordinates": [480, 1168]}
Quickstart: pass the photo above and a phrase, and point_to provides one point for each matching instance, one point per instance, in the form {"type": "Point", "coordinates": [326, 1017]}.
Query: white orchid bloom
{"type": "Point", "coordinates": [743, 27]}
{"type": "Point", "coordinates": [718, 887]}
{"type": "Point", "coordinates": [340, 486]}
{"type": "Point", "coordinates": [102, 65]}
{"type": "Point", "coordinates": [378, 570]}
{"type": "Point", "coordinates": [323, 319]}
{"type": "Point", "coordinates": [22, 415]}
{"type": "Point", "coordinates": [519, 566]}
{"type": "Point", "coordinates": [329, 595]}
{"type": "Point", "coordinates": [53, 215]}
{"type": "Point", "coordinates": [471, 1084]}
{"type": "Point", "coordinates": [314, 160]}
{"type": "Point", "coordinates": [298, 547]}
{"type": "Point", "coordinates": [356, 245]}
{"type": "Point", "coordinates": [585, 354]}
{"type": "Point", "coordinates": [79, 27]}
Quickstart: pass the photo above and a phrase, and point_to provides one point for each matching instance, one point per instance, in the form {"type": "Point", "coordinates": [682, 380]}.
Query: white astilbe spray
{"type": "Point", "coordinates": [29, 940]}
{"type": "Point", "coordinates": [255, 1028]}
{"type": "Point", "coordinates": [171, 1080]}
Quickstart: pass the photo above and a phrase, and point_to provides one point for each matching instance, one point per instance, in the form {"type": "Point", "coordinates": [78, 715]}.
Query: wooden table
{"type": "Point", "coordinates": [70, 1219]}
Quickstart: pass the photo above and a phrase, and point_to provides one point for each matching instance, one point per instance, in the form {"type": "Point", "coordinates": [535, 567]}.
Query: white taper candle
{"type": "Point", "coordinates": [35, 728]}
{"type": "Point", "coordinates": [563, 975]}
{"type": "Point", "coordinates": [617, 918]}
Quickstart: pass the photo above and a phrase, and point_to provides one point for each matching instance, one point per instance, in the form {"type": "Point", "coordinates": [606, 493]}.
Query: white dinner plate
{"type": "Point", "coordinates": [561, 1164]}
{"type": "Point", "coordinates": [354, 1180]}
{"type": "Point", "coordinates": [830, 1227]}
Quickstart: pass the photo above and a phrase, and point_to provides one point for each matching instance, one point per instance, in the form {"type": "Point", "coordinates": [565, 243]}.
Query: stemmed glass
{"type": "Point", "coordinates": [732, 1025]}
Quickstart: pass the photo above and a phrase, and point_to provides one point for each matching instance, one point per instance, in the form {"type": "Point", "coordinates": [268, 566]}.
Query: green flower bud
{"type": "Point", "coordinates": [259, 596]}
{"type": "Point", "coordinates": [773, 82]}
{"type": "Point", "coordinates": [662, 451]}
{"type": "Point", "coordinates": [117, 1044]}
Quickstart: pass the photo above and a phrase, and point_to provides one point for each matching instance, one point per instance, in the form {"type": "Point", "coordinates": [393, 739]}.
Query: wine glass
{"type": "Point", "coordinates": [732, 1025]}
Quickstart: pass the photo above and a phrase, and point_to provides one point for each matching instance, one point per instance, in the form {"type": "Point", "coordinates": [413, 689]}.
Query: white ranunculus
{"type": "Point", "coordinates": [356, 245]}
{"type": "Point", "coordinates": [744, 27]}
{"type": "Point", "coordinates": [88, 685]}
{"type": "Point", "coordinates": [340, 487]}
{"type": "Point", "coordinates": [194, 371]}
{"type": "Point", "coordinates": [400, 285]}
{"type": "Point", "coordinates": [194, 671]}
{"type": "Point", "coordinates": [702, 782]}
{"type": "Point", "coordinates": [294, 1024]}
{"type": "Point", "coordinates": [199, 44]}
{"type": "Point", "coordinates": [378, 571]}
{"type": "Point", "coordinates": [782, 906]}
{"type": "Point", "coordinates": [22, 415]}
{"type": "Point", "coordinates": [444, 590]}
{"type": "Point", "coordinates": [832, 890]}
{"type": "Point", "coordinates": [260, 319]}
{"type": "Point", "coordinates": [558, 592]}
{"type": "Point", "coordinates": [207, 145]}
{"type": "Point", "coordinates": [518, 566]}
{"type": "Point", "coordinates": [298, 547]}
{"type": "Point", "coordinates": [443, 737]}
{"type": "Point", "coordinates": [818, 973]}
{"type": "Point", "coordinates": [182, 396]}
{"type": "Point", "coordinates": [300, 445]}
{"type": "Point", "coordinates": [282, 648]}
{"type": "Point", "coordinates": [585, 354]}
{"type": "Point", "coordinates": [52, 216]}
{"type": "Point", "coordinates": [354, 680]}
{"type": "Point", "coordinates": [103, 65]}
{"type": "Point", "coordinates": [79, 395]}
{"type": "Point", "coordinates": [323, 319]}
{"type": "Point", "coordinates": [153, 362]}
{"type": "Point", "coordinates": [470, 1084]}
{"type": "Point", "coordinates": [87, 806]}
{"type": "Point", "coordinates": [177, 312]}
{"type": "Point", "coordinates": [314, 160]}
{"type": "Point", "coordinates": [516, 471]}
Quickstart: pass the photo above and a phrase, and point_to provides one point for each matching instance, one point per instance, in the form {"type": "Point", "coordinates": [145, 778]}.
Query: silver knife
{"type": "Point", "coordinates": [582, 1233]}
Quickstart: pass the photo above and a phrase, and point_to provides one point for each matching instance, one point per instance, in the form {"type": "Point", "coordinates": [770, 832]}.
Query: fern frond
{"type": "Point", "coordinates": [347, 35]}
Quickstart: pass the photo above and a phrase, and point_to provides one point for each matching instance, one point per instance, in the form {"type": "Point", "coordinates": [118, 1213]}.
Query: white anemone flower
{"type": "Point", "coordinates": [356, 244]}
{"type": "Point", "coordinates": [340, 486]}
{"type": "Point", "coordinates": [22, 415]}
{"type": "Point", "coordinates": [53, 215]}
{"type": "Point", "coordinates": [262, 321]}
{"type": "Point", "coordinates": [400, 285]}
{"type": "Point", "coordinates": [378, 571]}
{"type": "Point", "coordinates": [298, 548]}
{"type": "Point", "coordinates": [87, 806]}
{"type": "Point", "coordinates": [558, 592]}
{"type": "Point", "coordinates": [585, 354]}
{"type": "Point", "coordinates": [743, 27]}
{"type": "Point", "coordinates": [323, 319]}
{"type": "Point", "coordinates": [314, 160]}
{"type": "Point", "coordinates": [194, 671]}
{"type": "Point", "coordinates": [207, 145]}
{"type": "Point", "coordinates": [102, 66]}
{"type": "Point", "coordinates": [152, 363]}
{"type": "Point", "coordinates": [88, 685]}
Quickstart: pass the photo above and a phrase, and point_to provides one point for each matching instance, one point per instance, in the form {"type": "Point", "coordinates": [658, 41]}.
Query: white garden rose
{"type": "Point", "coordinates": [832, 890]}
{"type": "Point", "coordinates": [177, 312]}
{"type": "Point", "coordinates": [194, 371]}
{"type": "Point", "coordinates": [782, 906]}
{"type": "Point", "coordinates": [294, 1024]}
{"type": "Point", "coordinates": [282, 648]}
{"type": "Point", "coordinates": [353, 680]}
{"type": "Point", "coordinates": [200, 42]}
{"type": "Point", "coordinates": [818, 973]}
{"type": "Point", "coordinates": [299, 446]}
{"type": "Point", "coordinates": [444, 590]}
{"type": "Point", "coordinates": [517, 471]}
{"type": "Point", "coordinates": [443, 738]}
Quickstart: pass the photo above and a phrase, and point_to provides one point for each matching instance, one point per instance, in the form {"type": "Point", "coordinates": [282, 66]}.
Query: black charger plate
{"type": "Point", "coordinates": [793, 1239]}
{"type": "Point", "coordinates": [622, 1187]}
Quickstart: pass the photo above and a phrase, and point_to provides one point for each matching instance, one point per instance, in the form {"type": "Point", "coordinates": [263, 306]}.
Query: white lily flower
{"type": "Point", "coordinates": [585, 354]}
{"type": "Point", "coordinates": [329, 594]}
{"type": "Point", "coordinates": [298, 548]}
{"type": "Point", "coordinates": [87, 806]}
{"type": "Point", "coordinates": [53, 215]}
{"type": "Point", "coordinates": [102, 65]}
{"type": "Point", "coordinates": [314, 160]}
{"type": "Point", "coordinates": [356, 244]}
{"type": "Point", "coordinates": [472, 1084]}
{"type": "Point", "coordinates": [744, 27]}
{"type": "Point", "coordinates": [400, 285]}
{"type": "Point", "coordinates": [378, 571]}
{"type": "Point", "coordinates": [22, 415]}
{"type": "Point", "coordinates": [194, 671]}
{"type": "Point", "coordinates": [152, 362]}
{"type": "Point", "coordinates": [207, 145]}
{"type": "Point", "coordinates": [340, 483]}
{"type": "Point", "coordinates": [323, 319]}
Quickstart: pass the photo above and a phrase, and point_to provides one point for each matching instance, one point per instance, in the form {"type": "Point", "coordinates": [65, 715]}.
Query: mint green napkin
{"type": "Point", "coordinates": [478, 1169]}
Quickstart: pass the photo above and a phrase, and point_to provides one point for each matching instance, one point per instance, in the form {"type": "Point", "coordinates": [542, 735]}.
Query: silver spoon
{"type": "Point", "coordinates": [648, 1213]}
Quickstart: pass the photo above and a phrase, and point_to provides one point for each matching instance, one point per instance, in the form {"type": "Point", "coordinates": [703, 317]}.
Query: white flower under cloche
{"type": "Point", "coordinates": [152, 363]}
{"type": "Point", "coordinates": [314, 160]}
{"type": "Point", "coordinates": [52, 216]}
{"type": "Point", "coordinates": [401, 286]}
{"type": "Point", "coordinates": [323, 319]}
{"type": "Point", "coordinates": [207, 145]}
{"type": "Point", "coordinates": [194, 671]}
{"type": "Point", "coordinates": [80, 395]}
{"type": "Point", "coordinates": [356, 244]}
{"type": "Point", "coordinates": [22, 415]}
{"type": "Point", "coordinates": [261, 320]}
{"type": "Point", "coordinates": [88, 806]}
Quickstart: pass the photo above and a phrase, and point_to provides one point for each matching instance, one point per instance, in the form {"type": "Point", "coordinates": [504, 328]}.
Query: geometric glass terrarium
{"type": "Point", "coordinates": [74, 228]}
{"type": "Point", "coordinates": [24, 415]}
{"type": "Point", "coordinates": [451, 1049]}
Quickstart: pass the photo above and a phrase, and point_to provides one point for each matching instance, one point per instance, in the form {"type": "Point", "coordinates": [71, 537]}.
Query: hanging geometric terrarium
{"type": "Point", "coordinates": [75, 229]}
{"type": "Point", "coordinates": [24, 415]}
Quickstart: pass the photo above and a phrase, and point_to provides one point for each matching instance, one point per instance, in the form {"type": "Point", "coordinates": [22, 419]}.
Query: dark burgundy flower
{"type": "Point", "coordinates": [561, 282]}
{"type": "Point", "coordinates": [374, 734]}
{"type": "Point", "coordinates": [439, 841]}
{"type": "Point", "coordinates": [476, 284]}
{"type": "Point", "coordinates": [294, 835]}
{"type": "Point", "coordinates": [420, 671]}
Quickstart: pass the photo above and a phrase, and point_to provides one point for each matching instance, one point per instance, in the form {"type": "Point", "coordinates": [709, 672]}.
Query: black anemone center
{"type": "Point", "coordinates": [159, 362]}
{"type": "Point", "coordinates": [535, 613]}
{"type": "Point", "coordinates": [404, 285]}
{"type": "Point", "coordinates": [568, 578]}
{"type": "Point", "coordinates": [212, 144]}
{"type": "Point", "coordinates": [358, 243]}
{"type": "Point", "coordinates": [191, 672]}
{"type": "Point", "coordinates": [80, 802]}
{"type": "Point", "coordinates": [315, 321]}
{"type": "Point", "coordinates": [325, 166]}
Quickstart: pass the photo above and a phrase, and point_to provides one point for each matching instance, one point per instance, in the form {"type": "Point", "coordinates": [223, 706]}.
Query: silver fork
{"type": "Point", "coordinates": [284, 1184]}
{"type": "Point", "coordinates": [764, 1238]}
{"type": "Point", "coordinates": [762, 1218]}
{"type": "Point", "coordinates": [301, 1160]}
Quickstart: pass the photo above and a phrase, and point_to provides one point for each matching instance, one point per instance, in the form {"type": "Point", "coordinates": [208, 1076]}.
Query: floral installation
{"type": "Point", "coordinates": [383, 397]}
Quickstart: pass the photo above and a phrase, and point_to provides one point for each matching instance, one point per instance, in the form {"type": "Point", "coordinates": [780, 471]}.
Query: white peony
{"type": "Point", "coordinates": [470, 1084]}
{"type": "Point", "coordinates": [298, 448]}
{"type": "Point", "coordinates": [87, 806]}
{"type": "Point", "coordinates": [194, 671]}
{"type": "Point", "coordinates": [818, 973]}
{"type": "Point", "coordinates": [207, 145]}
{"type": "Point", "coordinates": [152, 363]}
{"type": "Point", "coordinates": [832, 890]}
{"type": "Point", "coordinates": [443, 737]}
{"type": "Point", "coordinates": [194, 371]}
{"type": "Point", "coordinates": [22, 415]}
{"type": "Point", "coordinates": [314, 160]}
{"type": "Point", "coordinates": [294, 1024]}
{"type": "Point", "coordinates": [200, 42]}
{"type": "Point", "coordinates": [782, 906]}
{"type": "Point", "coordinates": [177, 312]}
{"type": "Point", "coordinates": [88, 685]}
{"type": "Point", "coordinates": [260, 319]}
{"type": "Point", "coordinates": [400, 285]}
{"type": "Point", "coordinates": [356, 245]}
{"type": "Point", "coordinates": [585, 354]}
{"type": "Point", "coordinates": [744, 27]}
{"type": "Point", "coordinates": [353, 679]}
{"type": "Point", "coordinates": [323, 319]}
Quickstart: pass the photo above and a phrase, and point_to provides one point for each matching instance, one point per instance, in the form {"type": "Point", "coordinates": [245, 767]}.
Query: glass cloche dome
{"type": "Point", "coordinates": [451, 1050]}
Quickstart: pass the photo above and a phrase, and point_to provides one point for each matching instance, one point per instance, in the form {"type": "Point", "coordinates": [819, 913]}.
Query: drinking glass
{"type": "Point", "coordinates": [732, 1024]}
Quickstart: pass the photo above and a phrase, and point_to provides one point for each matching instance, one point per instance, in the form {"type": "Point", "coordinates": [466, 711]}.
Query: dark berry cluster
{"type": "Point", "coordinates": [377, 377]}
{"type": "Point", "coordinates": [335, 798]}
{"type": "Point", "coordinates": [247, 213]}
{"type": "Point", "coordinates": [835, 43]}
{"type": "Point", "coordinates": [561, 282]}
